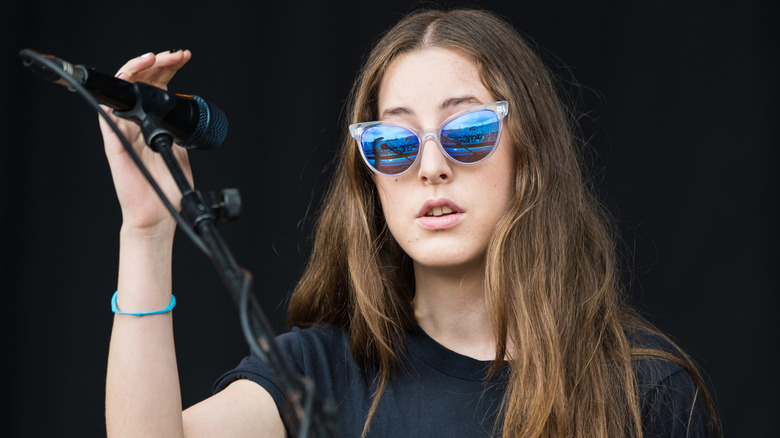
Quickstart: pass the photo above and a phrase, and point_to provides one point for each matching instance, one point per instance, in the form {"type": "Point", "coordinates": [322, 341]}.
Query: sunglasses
{"type": "Point", "coordinates": [468, 137]}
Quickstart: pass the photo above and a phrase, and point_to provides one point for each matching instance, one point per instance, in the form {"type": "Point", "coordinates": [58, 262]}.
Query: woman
{"type": "Point", "coordinates": [463, 280]}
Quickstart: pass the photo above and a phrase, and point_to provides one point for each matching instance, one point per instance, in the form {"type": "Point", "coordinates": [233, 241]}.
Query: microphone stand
{"type": "Point", "coordinates": [307, 416]}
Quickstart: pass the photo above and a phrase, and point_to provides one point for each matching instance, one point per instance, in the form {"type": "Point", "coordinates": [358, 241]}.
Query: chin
{"type": "Point", "coordinates": [457, 264]}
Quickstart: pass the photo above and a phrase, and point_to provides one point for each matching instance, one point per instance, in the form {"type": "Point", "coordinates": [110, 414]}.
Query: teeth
{"type": "Point", "coordinates": [439, 211]}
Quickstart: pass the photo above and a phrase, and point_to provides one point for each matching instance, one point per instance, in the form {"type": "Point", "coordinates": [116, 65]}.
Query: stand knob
{"type": "Point", "coordinates": [226, 204]}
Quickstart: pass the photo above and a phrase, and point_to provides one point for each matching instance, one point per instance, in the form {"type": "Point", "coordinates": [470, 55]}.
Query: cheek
{"type": "Point", "coordinates": [397, 211]}
{"type": "Point", "coordinates": [504, 175]}
{"type": "Point", "coordinates": [385, 191]}
{"type": "Point", "coordinates": [390, 198]}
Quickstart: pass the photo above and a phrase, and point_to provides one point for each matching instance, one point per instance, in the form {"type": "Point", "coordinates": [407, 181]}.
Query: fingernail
{"type": "Point", "coordinates": [119, 74]}
{"type": "Point", "coordinates": [146, 55]}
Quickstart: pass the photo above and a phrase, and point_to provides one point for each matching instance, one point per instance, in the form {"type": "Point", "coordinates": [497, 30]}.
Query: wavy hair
{"type": "Point", "coordinates": [552, 276]}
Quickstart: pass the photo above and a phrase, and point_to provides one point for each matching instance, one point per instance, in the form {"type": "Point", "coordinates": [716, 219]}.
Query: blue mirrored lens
{"type": "Point", "coordinates": [390, 149]}
{"type": "Point", "coordinates": [471, 137]}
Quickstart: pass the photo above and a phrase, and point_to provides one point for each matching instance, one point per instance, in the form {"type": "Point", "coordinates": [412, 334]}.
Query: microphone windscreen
{"type": "Point", "coordinates": [212, 127]}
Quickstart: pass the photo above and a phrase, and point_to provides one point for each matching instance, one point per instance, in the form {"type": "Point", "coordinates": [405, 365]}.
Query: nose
{"type": "Point", "coordinates": [435, 168]}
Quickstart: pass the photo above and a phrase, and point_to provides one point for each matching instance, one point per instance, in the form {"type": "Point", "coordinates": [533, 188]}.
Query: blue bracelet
{"type": "Point", "coordinates": [156, 312]}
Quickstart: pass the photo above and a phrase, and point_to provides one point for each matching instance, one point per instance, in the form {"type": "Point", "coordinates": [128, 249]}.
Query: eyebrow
{"type": "Point", "coordinates": [451, 102]}
{"type": "Point", "coordinates": [455, 101]}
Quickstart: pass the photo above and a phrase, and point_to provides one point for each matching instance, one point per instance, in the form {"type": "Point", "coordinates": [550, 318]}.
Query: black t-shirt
{"type": "Point", "coordinates": [436, 392]}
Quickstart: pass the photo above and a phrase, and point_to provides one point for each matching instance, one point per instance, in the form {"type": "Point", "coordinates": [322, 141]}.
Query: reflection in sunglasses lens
{"type": "Point", "coordinates": [390, 149]}
{"type": "Point", "coordinates": [470, 137]}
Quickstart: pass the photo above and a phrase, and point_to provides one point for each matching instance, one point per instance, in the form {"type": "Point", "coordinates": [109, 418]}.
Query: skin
{"type": "Point", "coordinates": [422, 89]}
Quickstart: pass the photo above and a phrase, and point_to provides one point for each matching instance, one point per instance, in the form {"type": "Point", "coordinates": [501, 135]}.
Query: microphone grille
{"type": "Point", "coordinates": [212, 127]}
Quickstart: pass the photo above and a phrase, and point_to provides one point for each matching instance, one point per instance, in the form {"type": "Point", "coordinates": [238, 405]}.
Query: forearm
{"type": "Point", "coordinates": [142, 383]}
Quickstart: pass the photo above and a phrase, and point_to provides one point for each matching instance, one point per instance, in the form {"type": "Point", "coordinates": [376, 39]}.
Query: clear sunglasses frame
{"type": "Point", "coordinates": [500, 108]}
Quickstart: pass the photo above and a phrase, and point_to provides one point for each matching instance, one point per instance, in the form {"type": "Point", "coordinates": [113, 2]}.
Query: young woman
{"type": "Point", "coordinates": [463, 280]}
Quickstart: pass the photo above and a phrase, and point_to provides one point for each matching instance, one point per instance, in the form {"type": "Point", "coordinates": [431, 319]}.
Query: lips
{"type": "Point", "coordinates": [438, 207]}
{"type": "Point", "coordinates": [439, 214]}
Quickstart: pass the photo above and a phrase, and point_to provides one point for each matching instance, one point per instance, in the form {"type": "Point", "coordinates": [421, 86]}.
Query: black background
{"type": "Point", "coordinates": [679, 104]}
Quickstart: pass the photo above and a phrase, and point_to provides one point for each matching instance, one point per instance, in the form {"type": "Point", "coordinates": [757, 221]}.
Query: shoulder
{"type": "Point", "coordinates": [304, 347]}
{"type": "Point", "coordinates": [315, 335]}
{"type": "Point", "coordinates": [671, 400]}
{"type": "Point", "coordinates": [655, 360]}
{"type": "Point", "coordinates": [309, 346]}
{"type": "Point", "coordinates": [313, 352]}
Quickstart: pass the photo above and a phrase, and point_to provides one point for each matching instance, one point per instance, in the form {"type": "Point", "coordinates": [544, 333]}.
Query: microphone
{"type": "Point", "coordinates": [193, 122]}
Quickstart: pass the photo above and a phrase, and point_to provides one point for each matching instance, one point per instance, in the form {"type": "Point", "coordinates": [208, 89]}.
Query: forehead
{"type": "Point", "coordinates": [423, 79]}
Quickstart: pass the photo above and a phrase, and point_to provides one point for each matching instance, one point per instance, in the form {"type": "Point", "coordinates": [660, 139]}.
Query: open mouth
{"type": "Point", "coordinates": [440, 214]}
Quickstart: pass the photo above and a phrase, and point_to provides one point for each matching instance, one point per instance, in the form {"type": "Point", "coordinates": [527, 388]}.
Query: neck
{"type": "Point", "coordinates": [451, 309]}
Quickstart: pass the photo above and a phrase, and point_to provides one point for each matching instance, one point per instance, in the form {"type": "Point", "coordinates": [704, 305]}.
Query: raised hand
{"type": "Point", "coordinates": [141, 208]}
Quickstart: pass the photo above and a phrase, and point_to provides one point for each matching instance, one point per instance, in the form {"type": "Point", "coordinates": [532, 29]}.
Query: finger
{"type": "Point", "coordinates": [148, 66]}
{"type": "Point", "coordinates": [130, 70]}
{"type": "Point", "coordinates": [165, 66]}
{"type": "Point", "coordinates": [168, 63]}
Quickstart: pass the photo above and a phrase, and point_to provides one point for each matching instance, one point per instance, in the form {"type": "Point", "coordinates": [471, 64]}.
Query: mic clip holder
{"type": "Point", "coordinates": [151, 105]}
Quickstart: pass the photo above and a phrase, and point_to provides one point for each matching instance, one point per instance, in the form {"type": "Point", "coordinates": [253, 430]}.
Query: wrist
{"type": "Point", "coordinates": [145, 255]}
{"type": "Point", "coordinates": [163, 231]}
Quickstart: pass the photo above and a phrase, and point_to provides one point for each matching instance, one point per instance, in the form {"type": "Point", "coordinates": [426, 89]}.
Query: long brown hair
{"type": "Point", "coordinates": [552, 282]}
